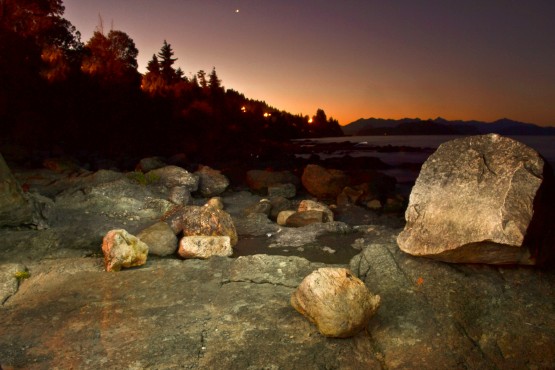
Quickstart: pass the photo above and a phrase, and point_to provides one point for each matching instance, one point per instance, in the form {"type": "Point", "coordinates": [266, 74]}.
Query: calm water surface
{"type": "Point", "coordinates": [545, 145]}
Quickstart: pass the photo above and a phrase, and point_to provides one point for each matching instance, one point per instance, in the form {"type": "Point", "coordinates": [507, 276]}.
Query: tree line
{"type": "Point", "coordinates": [59, 92]}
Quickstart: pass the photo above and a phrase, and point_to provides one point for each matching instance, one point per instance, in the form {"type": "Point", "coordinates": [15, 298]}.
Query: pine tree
{"type": "Point", "coordinates": [166, 63]}
{"type": "Point", "coordinates": [153, 65]}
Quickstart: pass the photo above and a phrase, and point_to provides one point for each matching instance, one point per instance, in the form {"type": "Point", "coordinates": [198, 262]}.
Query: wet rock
{"type": "Point", "coordinates": [324, 183]}
{"type": "Point", "coordinates": [336, 301]}
{"type": "Point", "coordinates": [261, 268]}
{"type": "Point", "coordinates": [301, 236]}
{"type": "Point", "coordinates": [123, 250]}
{"type": "Point", "coordinates": [202, 221]}
{"type": "Point", "coordinates": [179, 195]}
{"type": "Point", "coordinates": [204, 247]}
{"type": "Point", "coordinates": [263, 206]}
{"type": "Point", "coordinates": [15, 208]}
{"type": "Point", "coordinates": [260, 180]}
{"type": "Point", "coordinates": [481, 199]}
{"type": "Point", "coordinates": [304, 218]}
{"type": "Point", "coordinates": [160, 239]}
{"type": "Point", "coordinates": [279, 204]}
{"type": "Point", "coordinates": [254, 224]}
{"type": "Point", "coordinates": [211, 182]}
{"type": "Point", "coordinates": [282, 190]}
{"type": "Point", "coordinates": [310, 205]}
{"type": "Point", "coordinates": [172, 176]}
{"type": "Point", "coordinates": [283, 216]}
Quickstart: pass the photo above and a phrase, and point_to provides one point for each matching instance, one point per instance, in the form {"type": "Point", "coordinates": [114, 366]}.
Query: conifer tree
{"type": "Point", "coordinates": [166, 63]}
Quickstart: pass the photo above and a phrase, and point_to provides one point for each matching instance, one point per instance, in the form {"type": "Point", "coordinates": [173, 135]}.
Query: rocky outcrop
{"type": "Point", "coordinates": [324, 183]}
{"type": "Point", "coordinates": [204, 247]}
{"type": "Point", "coordinates": [160, 239]}
{"type": "Point", "coordinates": [15, 209]}
{"type": "Point", "coordinates": [211, 182]}
{"type": "Point", "coordinates": [123, 250]}
{"type": "Point", "coordinates": [481, 199]}
{"type": "Point", "coordinates": [336, 301]}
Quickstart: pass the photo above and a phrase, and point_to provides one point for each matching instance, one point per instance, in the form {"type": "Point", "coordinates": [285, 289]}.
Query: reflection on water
{"type": "Point", "coordinates": [328, 248]}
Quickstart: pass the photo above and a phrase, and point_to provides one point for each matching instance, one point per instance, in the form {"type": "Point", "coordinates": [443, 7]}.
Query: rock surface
{"type": "Point", "coordinates": [211, 181]}
{"type": "Point", "coordinates": [123, 250]}
{"type": "Point", "coordinates": [204, 221]}
{"type": "Point", "coordinates": [15, 209]}
{"type": "Point", "coordinates": [336, 301]}
{"type": "Point", "coordinates": [172, 176]}
{"type": "Point", "coordinates": [204, 246]}
{"type": "Point", "coordinates": [160, 239]}
{"type": "Point", "coordinates": [324, 183]}
{"type": "Point", "coordinates": [235, 313]}
{"type": "Point", "coordinates": [476, 200]}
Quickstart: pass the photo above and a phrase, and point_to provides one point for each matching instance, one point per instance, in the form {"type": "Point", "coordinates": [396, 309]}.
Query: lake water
{"type": "Point", "coordinates": [545, 145]}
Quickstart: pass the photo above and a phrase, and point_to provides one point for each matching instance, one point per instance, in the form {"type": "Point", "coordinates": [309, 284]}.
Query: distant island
{"type": "Point", "coordinates": [440, 126]}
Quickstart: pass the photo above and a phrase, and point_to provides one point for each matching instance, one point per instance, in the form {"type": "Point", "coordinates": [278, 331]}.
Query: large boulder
{"type": "Point", "coordinates": [15, 208]}
{"type": "Point", "coordinates": [122, 250]}
{"type": "Point", "coordinates": [336, 301]}
{"type": "Point", "coordinates": [324, 183]}
{"type": "Point", "coordinates": [481, 199]}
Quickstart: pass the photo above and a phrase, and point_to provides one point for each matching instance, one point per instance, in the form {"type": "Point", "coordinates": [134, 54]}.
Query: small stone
{"type": "Point", "coordinates": [160, 239]}
{"type": "Point", "coordinates": [336, 301]}
{"type": "Point", "coordinates": [310, 205]}
{"type": "Point", "coordinates": [283, 216]}
{"type": "Point", "coordinates": [204, 246]}
{"type": "Point", "coordinates": [300, 219]}
{"type": "Point", "coordinates": [122, 250]}
{"type": "Point", "coordinates": [374, 204]}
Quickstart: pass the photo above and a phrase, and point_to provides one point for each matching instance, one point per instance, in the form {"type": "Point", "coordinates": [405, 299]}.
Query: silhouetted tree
{"type": "Point", "coordinates": [166, 63]}
{"type": "Point", "coordinates": [112, 58]}
{"type": "Point", "coordinates": [201, 78]}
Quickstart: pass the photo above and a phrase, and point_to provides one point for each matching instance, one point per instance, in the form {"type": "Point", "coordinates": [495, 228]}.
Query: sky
{"type": "Point", "coordinates": [471, 59]}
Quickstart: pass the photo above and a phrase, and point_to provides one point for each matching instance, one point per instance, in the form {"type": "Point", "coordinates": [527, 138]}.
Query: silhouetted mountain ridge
{"type": "Point", "coordinates": [441, 126]}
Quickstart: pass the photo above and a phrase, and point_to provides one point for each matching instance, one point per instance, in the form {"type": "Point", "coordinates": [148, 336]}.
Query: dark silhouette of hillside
{"type": "Point", "coordinates": [58, 93]}
{"type": "Point", "coordinates": [440, 126]}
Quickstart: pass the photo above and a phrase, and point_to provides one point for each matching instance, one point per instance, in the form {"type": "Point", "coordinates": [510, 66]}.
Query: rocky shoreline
{"type": "Point", "coordinates": [234, 313]}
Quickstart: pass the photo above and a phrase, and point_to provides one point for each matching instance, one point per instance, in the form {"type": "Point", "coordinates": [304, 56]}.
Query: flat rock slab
{"type": "Point", "coordinates": [235, 314]}
{"type": "Point", "coordinates": [168, 314]}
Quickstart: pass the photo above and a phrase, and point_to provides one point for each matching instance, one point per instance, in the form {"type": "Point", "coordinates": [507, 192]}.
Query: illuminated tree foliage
{"type": "Point", "coordinates": [56, 92]}
{"type": "Point", "coordinates": [111, 58]}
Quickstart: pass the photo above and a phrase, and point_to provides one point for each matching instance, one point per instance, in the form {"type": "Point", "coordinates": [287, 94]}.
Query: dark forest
{"type": "Point", "coordinates": [59, 94]}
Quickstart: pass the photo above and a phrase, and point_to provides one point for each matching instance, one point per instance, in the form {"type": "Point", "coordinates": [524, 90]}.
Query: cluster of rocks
{"type": "Point", "coordinates": [485, 199]}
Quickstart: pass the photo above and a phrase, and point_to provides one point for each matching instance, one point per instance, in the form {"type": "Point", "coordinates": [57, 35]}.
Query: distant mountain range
{"type": "Point", "coordinates": [440, 126]}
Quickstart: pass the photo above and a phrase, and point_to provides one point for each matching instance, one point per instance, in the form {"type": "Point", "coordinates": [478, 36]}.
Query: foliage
{"type": "Point", "coordinates": [57, 92]}
{"type": "Point", "coordinates": [142, 178]}
{"type": "Point", "coordinates": [22, 275]}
